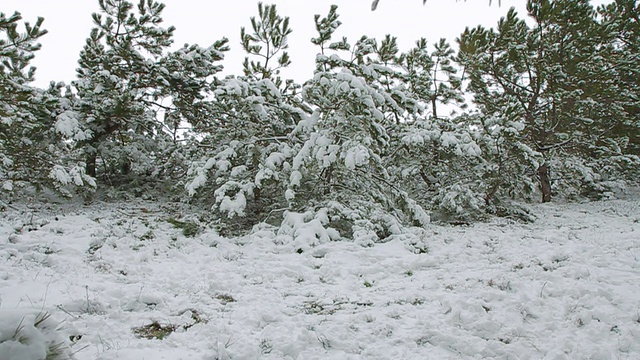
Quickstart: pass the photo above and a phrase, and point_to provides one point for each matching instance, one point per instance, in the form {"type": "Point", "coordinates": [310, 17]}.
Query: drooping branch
{"type": "Point", "coordinates": [374, 5]}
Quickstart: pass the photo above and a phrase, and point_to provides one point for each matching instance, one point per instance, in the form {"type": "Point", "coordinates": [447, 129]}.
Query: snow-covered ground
{"type": "Point", "coordinates": [564, 287]}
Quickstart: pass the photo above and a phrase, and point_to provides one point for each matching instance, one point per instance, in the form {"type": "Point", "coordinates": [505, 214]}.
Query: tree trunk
{"type": "Point", "coordinates": [91, 165]}
{"type": "Point", "coordinates": [545, 182]}
{"type": "Point", "coordinates": [433, 105]}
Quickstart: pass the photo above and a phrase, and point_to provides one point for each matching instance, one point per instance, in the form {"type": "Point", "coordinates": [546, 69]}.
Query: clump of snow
{"type": "Point", "coordinates": [60, 174]}
{"type": "Point", "coordinates": [356, 156]}
{"type": "Point", "coordinates": [234, 206]}
{"type": "Point", "coordinates": [295, 177]}
{"type": "Point", "coordinates": [289, 194]}
{"type": "Point", "coordinates": [199, 179]}
{"type": "Point", "coordinates": [68, 125]}
{"type": "Point", "coordinates": [304, 229]}
{"type": "Point", "coordinates": [75, 175]}
{"type": "Point", "coordinates": [274, 160]}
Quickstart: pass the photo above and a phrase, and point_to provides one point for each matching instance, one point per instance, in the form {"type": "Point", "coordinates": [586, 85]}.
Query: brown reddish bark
{"type": "Point", "coordinates": [545, 182]}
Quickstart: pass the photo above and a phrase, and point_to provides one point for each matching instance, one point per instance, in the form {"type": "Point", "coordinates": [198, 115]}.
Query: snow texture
{"type": "Point", "coordinates": [565, 287]}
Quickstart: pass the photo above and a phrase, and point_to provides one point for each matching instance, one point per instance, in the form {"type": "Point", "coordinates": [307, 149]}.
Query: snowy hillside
{"type": "Point", "coordinates": [128, 284]}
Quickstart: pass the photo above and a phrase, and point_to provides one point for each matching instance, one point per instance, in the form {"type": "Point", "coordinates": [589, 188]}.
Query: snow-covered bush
{"type": "Point", "coordinates": [269, 152]}
{"type": "Point", "coordinates": [577, 177]}
{"type": "Point", "coordinates": [509, 165]}
{"type": "Point", "coordinates": [31, 335]}
{"type": "Point", "coordinates": [345, 140]}
{"type": "Point", "coordinates": [244, 167]}
{"type": "Point", "coordinates": [440, 163]}
{"type": "Point", "coordinates": [245, 164]}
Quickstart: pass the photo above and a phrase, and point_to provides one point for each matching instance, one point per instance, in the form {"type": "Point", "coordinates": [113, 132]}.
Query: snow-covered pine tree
{"type": "Point", "coordinates": [115, 86]}
{"type": "Point", "coordinates": [435, 157]}
{"type": "Point", "coordinates": [35, 125]}
{"type": "Point", "coordinates": [574, 77]}
{"type": "Point", "coordinates": [340, 168]}
{"type": "Point", "coordinates": [446, 85]}
{"type": "Point", "coordinates": [188, 78]}
{"type": "Point", "coordinates": [603, 91]}
{"type": "Point", "coordinates": [246, 161]}
{"type": "Point", "coordinates": [268, 155]}
{"type": "Point", "coordinates": [267, 42]}
{"type": "Point", "coordinates": [134, 96]}
{"type": "Point", "coordinates": [556, 80]}
{"type": "Point", "coordinates": [620, 21]}
{"type": "Point", "coordinates": [507, 80]}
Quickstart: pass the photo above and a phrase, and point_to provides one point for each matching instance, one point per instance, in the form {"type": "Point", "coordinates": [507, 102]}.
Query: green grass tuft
{"type": "Point", "coordinates": [189, 228]}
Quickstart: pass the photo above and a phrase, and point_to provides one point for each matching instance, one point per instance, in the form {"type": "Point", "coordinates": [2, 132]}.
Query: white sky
{"type": "Point", "coordinates": [202, 22]}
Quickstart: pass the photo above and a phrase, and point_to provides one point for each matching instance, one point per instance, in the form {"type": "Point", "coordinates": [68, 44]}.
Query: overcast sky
{"type": "Point", "coordinates": [202, 22]}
